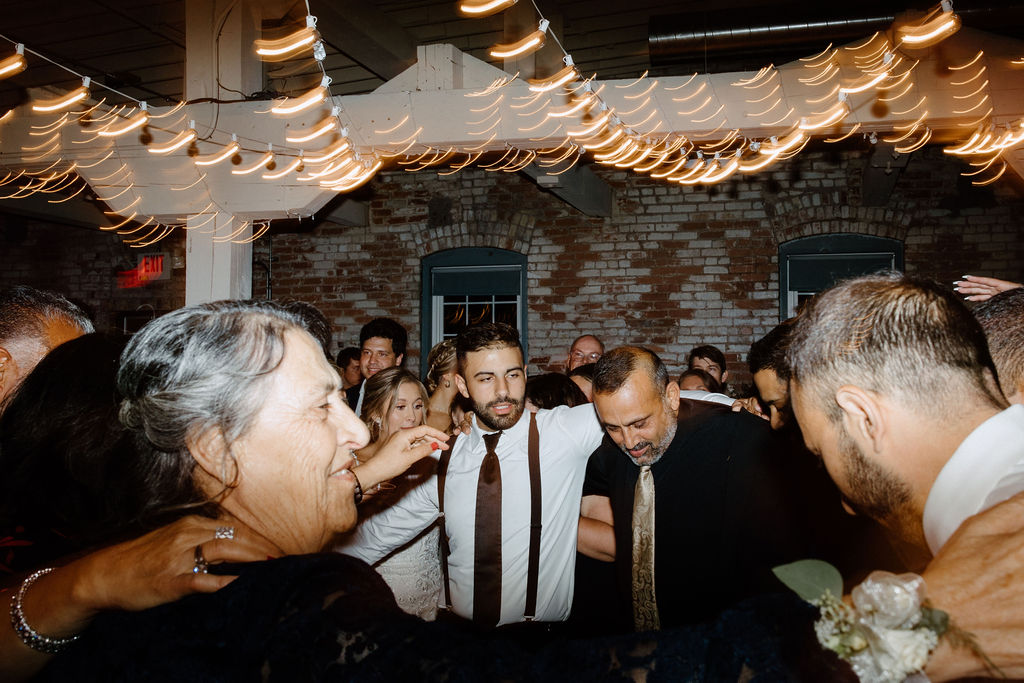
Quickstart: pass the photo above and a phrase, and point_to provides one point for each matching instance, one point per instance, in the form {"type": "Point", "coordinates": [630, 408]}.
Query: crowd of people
{"type": "Point", "coordinates": [219, 497]}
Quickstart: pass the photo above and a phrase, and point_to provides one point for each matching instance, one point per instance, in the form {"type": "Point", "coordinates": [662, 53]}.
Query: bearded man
{"type": "Point", "coordinates": [894, 388]}
{"type": "Point", "coordinates": [510, 523]}
{"type": "Point", "coordinates": [694, 492]}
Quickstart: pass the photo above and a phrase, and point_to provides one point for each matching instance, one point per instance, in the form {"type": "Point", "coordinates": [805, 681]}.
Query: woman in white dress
{"type": "Point", "coordinates": [394, 399]}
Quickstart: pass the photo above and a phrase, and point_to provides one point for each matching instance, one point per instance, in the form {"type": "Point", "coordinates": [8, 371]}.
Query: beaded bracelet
{"type": "Point", "coordinates": [358, 494]}
{"type": "Point", "coordinates": [28, 635]}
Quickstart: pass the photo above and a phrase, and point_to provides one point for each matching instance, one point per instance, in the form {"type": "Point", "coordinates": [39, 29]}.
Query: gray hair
{"type": "Point", "coordinates": [26, 311]}
{"type": "Point", "coordinates": [197, 368]}
{"type": "Point", "coordinates": [895, 335]}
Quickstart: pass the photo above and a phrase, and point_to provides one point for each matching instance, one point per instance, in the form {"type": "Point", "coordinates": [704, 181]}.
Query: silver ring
{"type": "Point", "coordinates": [227, 532]}
{"type": "Point", "coordinates": [201, 565]}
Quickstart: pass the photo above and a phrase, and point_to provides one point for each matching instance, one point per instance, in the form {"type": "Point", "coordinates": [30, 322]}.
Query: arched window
{"type": "Point", "coordinates": [471, 285]}
{"type": "Point", "coordinates": [812, 264]}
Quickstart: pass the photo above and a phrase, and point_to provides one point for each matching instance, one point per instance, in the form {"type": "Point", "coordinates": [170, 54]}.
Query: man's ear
{"type": "Point", "coordinates": [864, 416]}
{"type": "Point", "coordinates": [398, 359]}
{"type": "Point", "coordinates": [460, 382]}
{"type": "Point", "coordinates": [725, 376]}
{"type": "Point", "coordinates": [8, 371]}
{"type": "Point", "coordinates": [211, 455]}
{"type": "Point", "coordinates": [672, 395]}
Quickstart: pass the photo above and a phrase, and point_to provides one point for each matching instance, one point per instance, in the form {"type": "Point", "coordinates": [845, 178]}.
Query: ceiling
{"type": "Point", "coordinates": [138, 46]}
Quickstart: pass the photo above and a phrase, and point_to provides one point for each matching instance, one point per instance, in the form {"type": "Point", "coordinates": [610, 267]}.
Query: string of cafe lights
{"type": "Point", "coordinates": [613, 140]}
{"type": "Point", "coordinates": [626, 139]}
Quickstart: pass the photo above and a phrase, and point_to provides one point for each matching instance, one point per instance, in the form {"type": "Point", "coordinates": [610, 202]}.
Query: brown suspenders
{"type": "Point", "coordinates": [533, 566]}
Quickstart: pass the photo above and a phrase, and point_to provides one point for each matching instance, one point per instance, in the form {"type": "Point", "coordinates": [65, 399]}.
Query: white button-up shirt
{"type": "Point", "coordinates": [987, 468]}
{"type": "Point", "coordinates": [567, 438]}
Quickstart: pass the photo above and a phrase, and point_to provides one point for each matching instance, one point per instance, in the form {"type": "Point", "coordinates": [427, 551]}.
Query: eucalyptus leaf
{"type": "Point", "coordinates": [810, 578]}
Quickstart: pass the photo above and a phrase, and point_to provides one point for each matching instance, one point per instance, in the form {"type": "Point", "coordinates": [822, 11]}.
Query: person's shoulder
{"type": "Point", "coordinates": [697, 416]}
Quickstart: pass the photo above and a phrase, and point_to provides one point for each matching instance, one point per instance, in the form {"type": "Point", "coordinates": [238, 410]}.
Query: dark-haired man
{"type": "Point", "coordinates": [32, 323]}
{"type": "Point", "coordinates": [711, 360]}
{"type": "Point", "coordinates": [893, 386]}
{"type": "Point", "coordinates": [767, 362]}
{"type": "Point", "coordinates": [705, 473]}
{"type": "Point", "coordinates": [494, 587]}
{"type": "Point", "coordinates": [382, 344]}
{"type": "Point", "coordinates": [1002, 318]}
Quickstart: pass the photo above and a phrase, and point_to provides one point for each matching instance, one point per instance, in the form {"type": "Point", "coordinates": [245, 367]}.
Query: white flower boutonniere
{"type": "Point", "coordinates": [888, 631]}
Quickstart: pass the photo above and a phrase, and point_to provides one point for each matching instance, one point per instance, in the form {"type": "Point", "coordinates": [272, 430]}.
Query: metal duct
{"type": "Point", "coordinates": [680, 37]}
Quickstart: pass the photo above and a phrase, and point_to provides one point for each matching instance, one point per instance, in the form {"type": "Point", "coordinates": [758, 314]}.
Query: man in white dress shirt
{"type": "Point", "coordinates": [492, 376]}
{"type": "Point", "coordinates": [893, 386]}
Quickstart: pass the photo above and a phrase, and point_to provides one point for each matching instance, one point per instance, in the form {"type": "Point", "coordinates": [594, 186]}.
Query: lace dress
{"type": "Point", "coordinates": [413, 572]}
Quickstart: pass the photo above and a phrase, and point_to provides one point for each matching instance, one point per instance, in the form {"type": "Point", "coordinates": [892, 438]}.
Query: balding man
{"type": "Point", "coordinates": [710, 477]}
{"type": "Point", "coordinates": [585, 349]}
{"type": "Point", "coordinates": [32, 323]}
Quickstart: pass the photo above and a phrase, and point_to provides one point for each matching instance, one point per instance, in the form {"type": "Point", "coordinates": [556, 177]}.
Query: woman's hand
{"type": "Point", "coordinates": [977, 288]}
{"type": "Point", "coordinates": [398, 453]}
{"type": "Point", "coordinates": [157, 568]}
{"type": "Point", "coordinates": [144, 572]}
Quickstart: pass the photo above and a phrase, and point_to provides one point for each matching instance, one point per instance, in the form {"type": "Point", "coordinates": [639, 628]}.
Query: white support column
{"type": "Point", "coordinates": [217, 269]}
{"type": "Point", "coordinates": [219, 39]}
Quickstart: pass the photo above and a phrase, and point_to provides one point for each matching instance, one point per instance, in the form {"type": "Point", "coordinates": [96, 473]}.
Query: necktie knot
{"type": "Point", "coordinates": [491, 441]}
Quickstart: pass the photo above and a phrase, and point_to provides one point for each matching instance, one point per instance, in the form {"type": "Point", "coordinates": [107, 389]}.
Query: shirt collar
{"type": "Point", "coordinates": [975, 468]}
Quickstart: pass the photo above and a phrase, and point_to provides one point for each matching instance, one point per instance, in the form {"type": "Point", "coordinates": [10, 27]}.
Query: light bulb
{"type": "Point", "coordinates": [293, 105]}
{"type": "Point", "coordinates": [565, 75]}
{"type": "Point", "coordinates": [484, 8]}
{"type": "Point", "coordinates": [322, 128]}
{"type": "Point", "coordinates": [137, 121]}
{"type": "Point", "coordinates": [65, 101]}
{"type": "Point", "coordinates": [216, 158]}
{"type": "Point", "coordinates": [263, 161]}
{"type": "Point", "coordinates": [945, 24]}
{"type": "Point", "coordinates": [532, 42]}
{"type": "Point", "coordinates": [285, 171]}
{"type": "Point", "coordinates": [283, 48]}
{"type": "Point", "coordinates": [335, 150]}
{"type": "Point", "coordinates": [14, 64]}
{"type": "Point", "coordinates": [180, 140]}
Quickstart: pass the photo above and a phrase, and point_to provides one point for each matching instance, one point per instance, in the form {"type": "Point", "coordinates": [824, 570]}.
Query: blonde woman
{"type": "Point", "coordinates": [395, 400]}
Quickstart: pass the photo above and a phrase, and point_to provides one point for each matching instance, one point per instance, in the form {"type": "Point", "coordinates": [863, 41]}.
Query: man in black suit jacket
{"type": "Point", "coordinates": [723, 515]}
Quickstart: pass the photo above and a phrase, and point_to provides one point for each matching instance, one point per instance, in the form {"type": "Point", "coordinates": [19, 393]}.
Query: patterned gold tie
{"type": "Point", "coordinates": [645, 605]}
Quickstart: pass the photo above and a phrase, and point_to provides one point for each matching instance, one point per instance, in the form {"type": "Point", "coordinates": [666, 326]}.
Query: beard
{"type": "Point", "coordinates": [877, 493]}
{"type": "Point", "coordinates": [491, 420]}
{"type": "Point", "coordinates": [654, 450]}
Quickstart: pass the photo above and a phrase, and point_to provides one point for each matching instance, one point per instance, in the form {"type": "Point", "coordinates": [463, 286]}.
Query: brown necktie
{"type": "Point", "coordinates": [645, 605]}
{"type": "Point", "coordinates": [487, 554]}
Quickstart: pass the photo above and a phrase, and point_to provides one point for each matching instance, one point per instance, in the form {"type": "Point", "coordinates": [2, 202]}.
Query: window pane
{"type": "Point", "coordinates": [506, 313]}
{"type": "Point", "coordinates": [479, 313]}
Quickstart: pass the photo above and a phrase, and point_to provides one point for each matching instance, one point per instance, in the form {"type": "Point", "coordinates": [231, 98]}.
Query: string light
{"type": "Point", "coordinates": [484, 8]}
{"type": "Point", "coordinates": [294, 105]}
{"type": "Point", "coordinates": [220, 156]}
{"type": "Point", "coordinates": [137, 121]}
{"type": "Point", "coordinates": [180, 140]}
{"type": "Point", "coordinates": [932, 31]}
{"type": "Point", "coordinates": [14, 64]}
{"type": "Point", "coordinates": [284, 48]}
{"type": "Point", "coordinates": [65, 101]}
{"type": "Point", "coordinates": [531, 43]}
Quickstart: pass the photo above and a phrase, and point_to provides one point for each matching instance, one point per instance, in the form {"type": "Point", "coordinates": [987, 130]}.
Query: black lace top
{"type": "Point", "coordinates": [331, 618]}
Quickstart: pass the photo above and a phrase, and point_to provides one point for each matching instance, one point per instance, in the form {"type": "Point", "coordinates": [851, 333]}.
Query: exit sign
{"type": "Point", "coordinates": [151, 267]}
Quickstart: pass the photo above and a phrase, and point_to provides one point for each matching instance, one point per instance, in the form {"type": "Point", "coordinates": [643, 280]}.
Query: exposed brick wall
{"type": "Point", "coordinates": [83, 264]}
{"type": "Point", "coordinates": [672, 268]}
